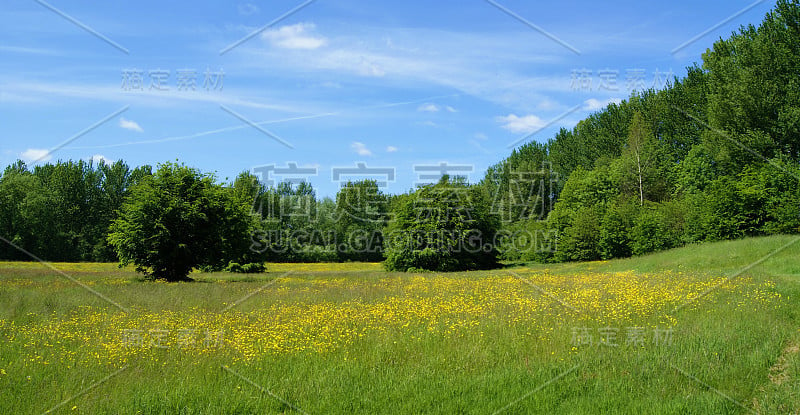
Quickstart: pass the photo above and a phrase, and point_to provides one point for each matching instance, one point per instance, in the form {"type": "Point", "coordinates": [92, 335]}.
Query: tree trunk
{"type": "Point", "coordinates": [641, 189]}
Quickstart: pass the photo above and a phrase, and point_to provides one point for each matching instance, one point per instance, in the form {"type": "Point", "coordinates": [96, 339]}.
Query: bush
{"type": "Point", "coordinates": [615, 230]}
{"type": "Point", "coordinates": [316, 253]}
{"type": "Point", "coordinates": [249, 268]}
{"type": "Point", "coordinates": [717, 214]}
{"type": "Point", "coordinates": [582, 239]}
{"type": "Point", "coordinates": [650, 233]}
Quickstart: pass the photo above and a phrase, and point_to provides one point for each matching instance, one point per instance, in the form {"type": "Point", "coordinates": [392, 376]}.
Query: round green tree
{"type": "Point", "coordinates": [179, 219]}
{"type": "Point", "coordinates": [443, 227]}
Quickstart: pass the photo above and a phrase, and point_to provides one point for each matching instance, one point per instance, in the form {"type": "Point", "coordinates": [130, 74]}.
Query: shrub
{"type": "Point", "coordinates": [650, 233]}
{"type": "Point", "coordinates": [249, 268]}
{"type": "Point", "coordinates": [615, 229]}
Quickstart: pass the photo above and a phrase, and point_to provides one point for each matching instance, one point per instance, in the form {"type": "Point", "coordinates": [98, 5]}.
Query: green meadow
{"type": "Point", "coordinates": [701, 329]}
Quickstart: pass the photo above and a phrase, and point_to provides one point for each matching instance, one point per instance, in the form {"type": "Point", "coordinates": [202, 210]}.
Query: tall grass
{"type": "Point", "coordinates": [351, 338]}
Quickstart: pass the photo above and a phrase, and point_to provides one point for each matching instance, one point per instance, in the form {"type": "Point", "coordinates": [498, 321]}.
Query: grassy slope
{"type": "Point", "coordinates": [726, 257]}
{"type": "Point", "coordinates": [745, 355]}
{"type": "Point", "coordinates": [773, 258]}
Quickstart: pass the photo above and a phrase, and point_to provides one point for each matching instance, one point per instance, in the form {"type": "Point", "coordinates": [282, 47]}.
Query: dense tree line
{"type": "Point", "coordinates": [715, 155]}
{"type": "Point", "coordinates": [65, 211]}
{"type": "Point", "coordinates": [62, 211]}
{"type": "Point", "coordinates": [176, 218]}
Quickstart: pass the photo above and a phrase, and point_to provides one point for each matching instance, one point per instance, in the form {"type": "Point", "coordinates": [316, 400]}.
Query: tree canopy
{"type": "Point", "coordinates": [179, 219]}
{"type": "Point", "coordinates": [443, 227]}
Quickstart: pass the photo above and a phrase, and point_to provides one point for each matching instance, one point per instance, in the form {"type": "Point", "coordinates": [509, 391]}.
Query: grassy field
{"type": "Point", "coordinates": [695, 330]}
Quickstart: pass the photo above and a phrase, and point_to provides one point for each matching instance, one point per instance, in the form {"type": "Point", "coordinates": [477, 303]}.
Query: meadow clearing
{"type": "Point", "coordinates": [682, 331]}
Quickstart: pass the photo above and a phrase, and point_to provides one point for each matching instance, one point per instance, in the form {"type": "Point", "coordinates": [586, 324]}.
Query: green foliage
{"type": "Point", "coordinates": [177, 220]}
{"type": "Point", "coordinates": [288, 229]}
{"type": "Point", "coordinates": [361, 214]}
{"type": "Point", "coordinates": [249, 268]}
{"type": "Point", "coordinates": [581, 240]}
{"type": "Point", "coordinates": [771, 197]}
{"type": "Point", "coordinates": [717, 214]}
{"type": "Point", "coordinates": [578, 212]}
{"type": "Point", "coordinates": [650, 232]}
{"type": "Point", "coordinates": [754, 85]}
{"type": "Point", "coordinates": [643, 170]}
{"type": "Point", "coordinates": [712, 156]}
{"type": "Point", "coordinates": [697, 170]}
{"type": "Point", "coordinates": [524, 185]}
{"type": "Point", "coordinates": [529, 240]}
{"type": "Point", "coordinates": [443, 227]}
{"type": "Point", "coordinates": [61, 211]}
{"type": "Point", "coordinates": [615, 230]}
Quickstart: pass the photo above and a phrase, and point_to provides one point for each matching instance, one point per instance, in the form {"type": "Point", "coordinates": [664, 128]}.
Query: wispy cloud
{"type": "Point", "coordinates": [130, 125]}
{"type": "Point", "coordinates": [360, 148]}
{"type": "Point", "coordinates": [247, 9]}
{"type": "Point", "coordinates": [428, 108]}
{"type": "Point", "coordinates": [33, 154]}
{"type": "Point", "coordinates": [402, 62]}
{"type": "Point", "coordinates": [296, 36]}
{"type": "Point", "coordinates": [32, 51]}
{"type": "Point", "coordinates": [368, 67]}
{"type": "Point", "coordinates": [391, 149]}
{"type": "Point", "coordinates": [340, 112]}
{"type": "Point", "coordinates": [593, 104]}
{"type": "Point", "coordinates": [26, 91]}
{"type": "Point", "coordinates": [519, 125]}
{"type": "Point", "coordinates": [397, 55]}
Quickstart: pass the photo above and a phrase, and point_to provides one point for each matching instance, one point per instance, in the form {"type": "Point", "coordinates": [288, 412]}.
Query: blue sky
{"type": "Point", "coordinates": [337, 84]}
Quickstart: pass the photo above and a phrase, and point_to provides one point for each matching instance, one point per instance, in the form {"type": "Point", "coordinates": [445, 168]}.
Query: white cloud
{"type": "Point", "coordinates": [295, 36]}
{"type": "Point", "coordinates": [526, 124]}
{"type": "Point", "coordinates": [547, 105]}
{"type": "Point", "coordinates": [97, 158]}
{"type": "Point", "coordinates": [391, 149]}
{"type": "Point", "coordinates": [594, 104]}
{"type": "Point", "coordinates": [248, 9]}
{"type": "Point", "coordinates": [369, 68]}
{"type": "Point", "coordinates": [360, 149]}
{"type": "Point", "coordinates": [443, 61]}
{"type": "Point", "coordinates": [433, 57]}
{"type": "Point", "coordinates": [428, 108]}
{"type": "Point", "coordinates": [35, 154]}
{"type": "Point", "coordinates": [21, 91]}
{"type": "Point", "coordinates": [477, 145]}
{"type": "Point", "coordinates": [130, 125]}
{"type": "Point", "coordinates": [481, 136]}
